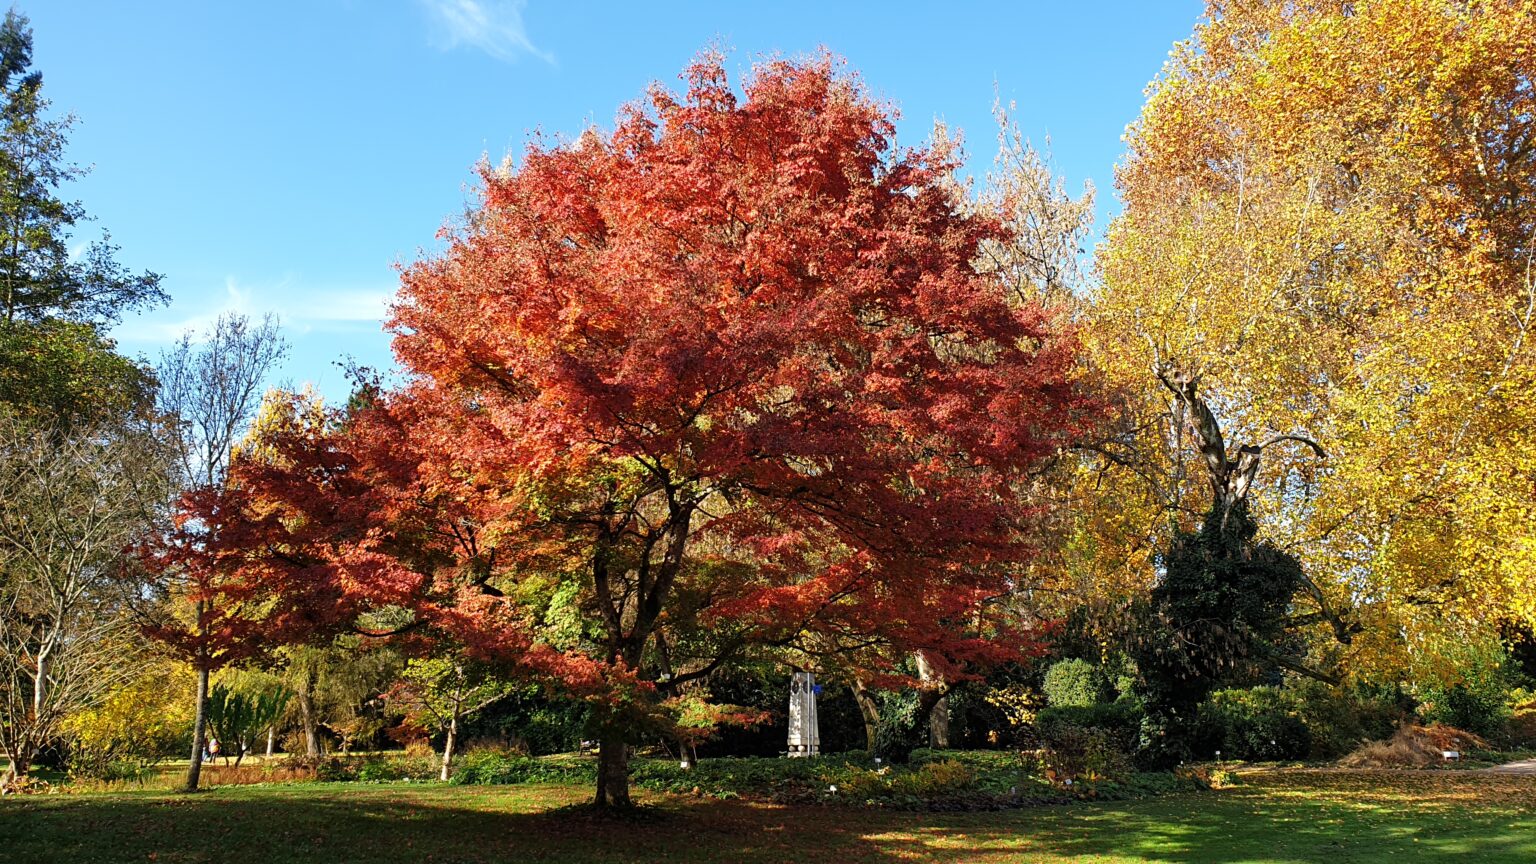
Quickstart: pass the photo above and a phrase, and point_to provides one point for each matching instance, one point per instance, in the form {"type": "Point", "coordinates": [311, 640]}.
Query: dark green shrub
{"type": "Point", "coordinates": [553, 729]}
{"type": "Point", "coordinates": [1480, 710]}
{"type": "Point", "coordinates": [1259, 723]}
{"type": "Point", "coordinates": [899, 731]}
{"type": "Point", "coordinates": [1121, 721]}
{"type": "Point", "coordinates": [1092, 742]}
{"type": "Point", "coordinates": [501, 767]}
{"type": "Point", "coordinates": [1073, 684]}
{"type": "Point", "coordinates": [1217, 618]}
{"type": "Point", "coordinates": [1085, 753]}
{"type": "Point", "coordinates": [1162, 741]}
{"type": "Point", "coordinates": [1340, 719]}
{"type": "Point", "coordinates": [533, 721]}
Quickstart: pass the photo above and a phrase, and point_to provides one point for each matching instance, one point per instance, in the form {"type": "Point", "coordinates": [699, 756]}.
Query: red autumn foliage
{"type": "Point", "coordinates": [220, 622]}
{"type": "Point", "coordinates": [726, 372]}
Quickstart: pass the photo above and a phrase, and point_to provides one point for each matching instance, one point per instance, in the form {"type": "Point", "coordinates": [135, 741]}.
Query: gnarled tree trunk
{"type": "Point", "coordinates": [869, 712]}
{"type": "Point", "coordinates": [938, 715]}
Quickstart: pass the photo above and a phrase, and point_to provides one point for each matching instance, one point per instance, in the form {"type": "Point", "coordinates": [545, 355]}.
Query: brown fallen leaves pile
{"type": "Point", "coordinates": [1413, 746]}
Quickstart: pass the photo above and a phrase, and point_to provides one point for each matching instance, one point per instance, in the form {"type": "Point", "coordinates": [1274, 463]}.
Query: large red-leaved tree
{"type": "Point", "coordinates": [722, 378]}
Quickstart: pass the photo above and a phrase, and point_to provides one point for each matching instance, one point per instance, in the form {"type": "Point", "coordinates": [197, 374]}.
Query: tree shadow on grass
{"type": "Point", "coordinates": [1322, 816]}
{"type": "Point", "coordinates": [399, 823]}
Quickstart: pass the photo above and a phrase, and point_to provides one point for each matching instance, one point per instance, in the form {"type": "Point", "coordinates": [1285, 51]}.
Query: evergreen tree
{"type": "Point", "coordinates": [1222, 608]}
{"type": "Point", "coordinates": [55, 359]}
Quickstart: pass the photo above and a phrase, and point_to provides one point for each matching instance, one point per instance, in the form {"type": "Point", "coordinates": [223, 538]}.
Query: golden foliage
{"type": "Point", "coordinates": [1329, 217]}
{"type": "Point", "coordinates": [138, 723]}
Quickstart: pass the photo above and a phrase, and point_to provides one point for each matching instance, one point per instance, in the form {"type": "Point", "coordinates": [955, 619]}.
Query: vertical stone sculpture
{"type": "Point", "coordinates": [804, 734]}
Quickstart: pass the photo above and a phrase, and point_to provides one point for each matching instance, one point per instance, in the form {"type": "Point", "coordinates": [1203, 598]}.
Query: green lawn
{"type": "Point", "coordinates": [1336, 817]}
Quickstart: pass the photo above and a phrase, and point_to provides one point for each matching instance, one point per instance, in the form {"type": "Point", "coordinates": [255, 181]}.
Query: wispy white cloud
{"type": "Point", "coordinates": [493, 26]}
{"type": "Point", "coordinates": [339, 307]}
{"type": "Point", "coordinates": [166, 326]}
{"type": "Point", "coordinates": [319, 310]}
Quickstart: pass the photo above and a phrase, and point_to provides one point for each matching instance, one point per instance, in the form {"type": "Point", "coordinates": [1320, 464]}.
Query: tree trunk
{"type": "Point", "coordinates": [39, 688]}
{"type": "Point", "coordinates": [21, 765]}
{"type": "Point", "coordinates": [271, 739]}
{"type": "Point", "coordinates": [869, 711]}
{"type": "Point", "coordinates": [307, 716]}
{"type": "Point", "coordinates": [30, 742]}
{"type": "Point", "coordinates": [199, 732]}
{"type": "Point", "coordinates": [453, 733]}
{"type": "Point", "coordinates": [938, 716]}
{"type": "Point", "coordinates": [21, 750]}
{"type": "Point", "coordinates": [938, 725]}
{"type": "Point", "coordinates": [613, 771]}
{"type": "Point", "coordinates": [312, 744]}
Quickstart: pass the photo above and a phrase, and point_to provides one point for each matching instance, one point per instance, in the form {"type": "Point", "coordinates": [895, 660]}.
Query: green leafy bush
{"type": "Point", "coordinates": [553, 728]}
{"type": "Point", "coordinates": [1469, 684]}
{"type": "Point", "coordinates": [1481, 710]}
{"type": "Point", "coordinates": [1340, 719]}
{"type": "Point", "coordinates": [384, 767]}
{"type": "Point", "coordinates": [499, 767]}
{"type": "Point", "coordinates": [1162, 741]}
{"type": "Point", "coordinates": [1085, 753]}
{"type": "Point", "coordinates": [1121, 721]}
{"type": "Point", "coordinates": [1073, 684]}
{"type": "Point", "coordinates": [1259, 723]}
{"type": "Point", "coordinates": [900, 730]}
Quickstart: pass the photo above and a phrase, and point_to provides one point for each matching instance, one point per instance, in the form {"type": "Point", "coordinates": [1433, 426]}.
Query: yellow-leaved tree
{"type": "Point", "coordinates": [1329, 211]}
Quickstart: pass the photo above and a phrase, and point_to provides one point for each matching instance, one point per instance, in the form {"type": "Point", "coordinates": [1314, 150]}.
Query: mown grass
{"type": "Point", "coordinates": [1297, 816]}
{"type": "Point", "coordinates": [940, 780]}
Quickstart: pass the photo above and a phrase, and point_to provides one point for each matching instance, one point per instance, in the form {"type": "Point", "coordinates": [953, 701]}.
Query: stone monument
{"type": "Point", "coordinates": [804, 734]}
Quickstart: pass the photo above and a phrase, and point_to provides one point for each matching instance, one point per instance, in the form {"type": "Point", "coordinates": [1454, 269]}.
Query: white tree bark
{"type": "Point", "coordinates": [70, 503]}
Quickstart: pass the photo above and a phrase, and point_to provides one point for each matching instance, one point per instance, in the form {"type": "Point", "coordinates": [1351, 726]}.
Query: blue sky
{"type": "Point", "coordinates": [285, 156]}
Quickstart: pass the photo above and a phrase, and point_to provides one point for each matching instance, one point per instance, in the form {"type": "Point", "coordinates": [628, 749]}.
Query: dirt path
{"type": "Point", "coordinates": [1525, 766]}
